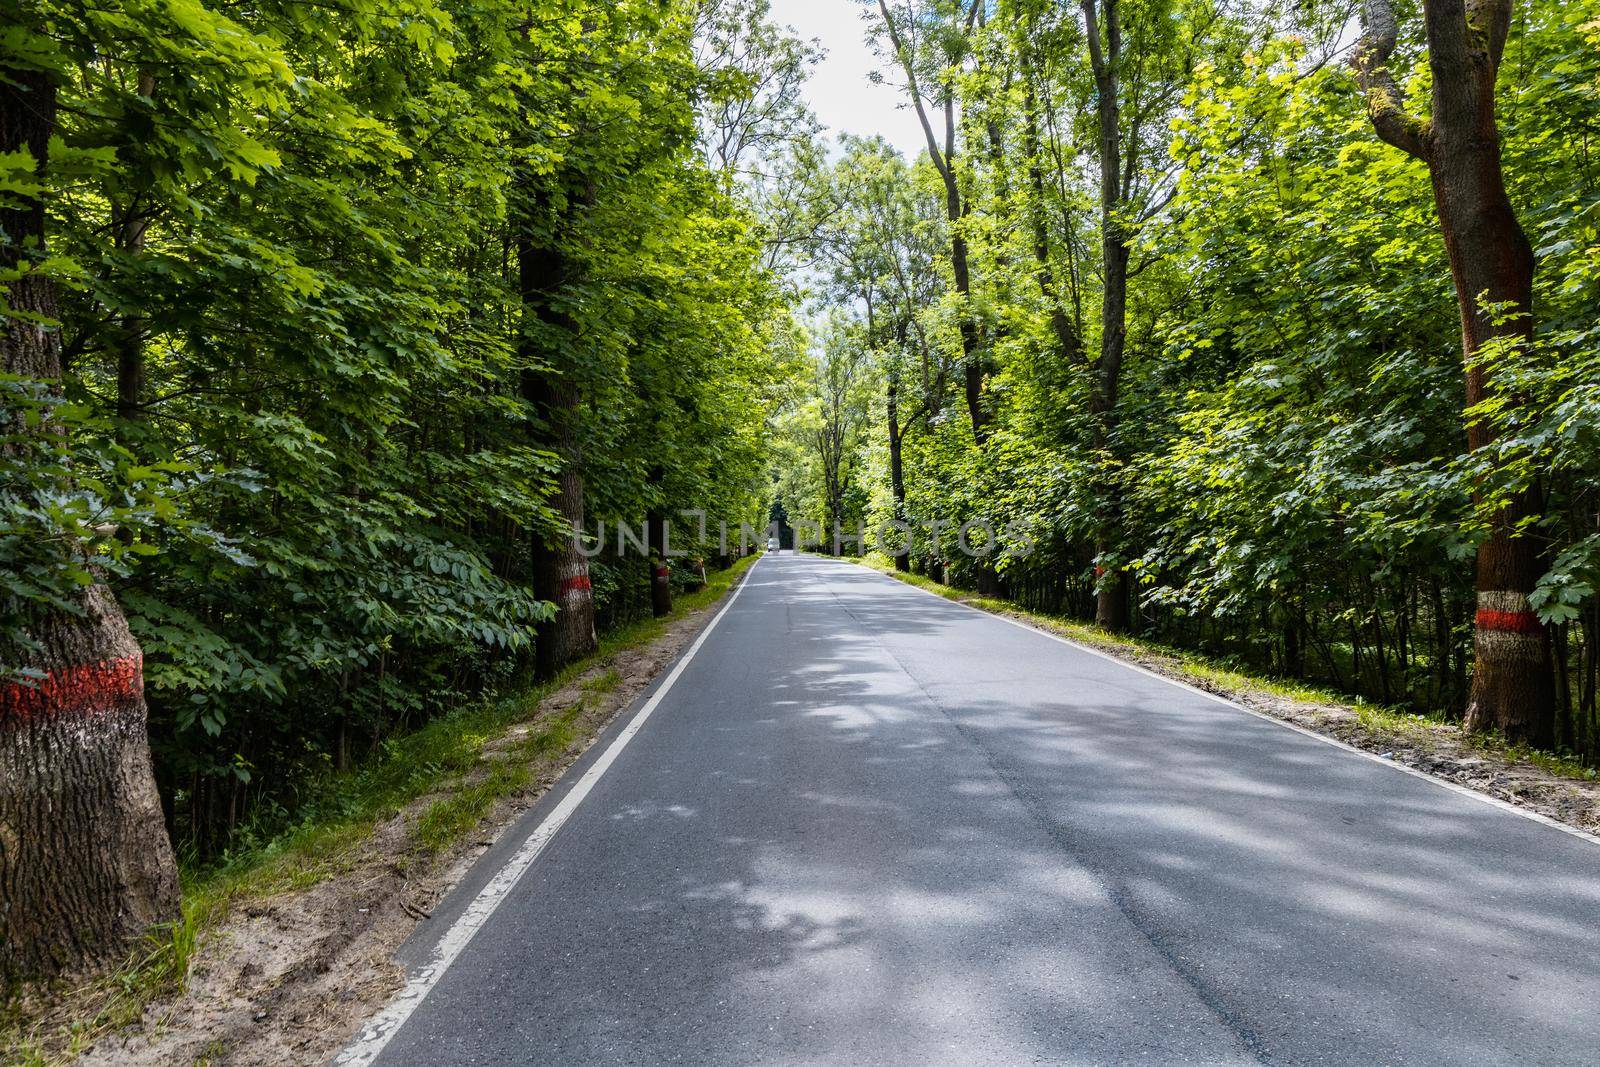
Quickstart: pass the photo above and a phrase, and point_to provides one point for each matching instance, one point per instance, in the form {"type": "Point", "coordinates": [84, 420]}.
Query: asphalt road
{"type": "Point", "coordinates": [865, 826]}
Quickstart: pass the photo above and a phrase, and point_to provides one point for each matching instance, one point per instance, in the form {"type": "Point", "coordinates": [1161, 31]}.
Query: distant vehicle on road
{"type": "Point", "coordinates": [773, 546]}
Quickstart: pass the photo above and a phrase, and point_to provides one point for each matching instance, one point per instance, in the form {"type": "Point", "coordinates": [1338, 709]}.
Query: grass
{"type": "Point", "coordinates": [1558, 764]}
{"type": "Point", "coordinates": [449, 755]}
{"type": "Point", "coordinates": [450, 817]}
{"type": "Point", "coordinates": [157, 966]}
{"type": "Point", "coordinates": [1382, 723]}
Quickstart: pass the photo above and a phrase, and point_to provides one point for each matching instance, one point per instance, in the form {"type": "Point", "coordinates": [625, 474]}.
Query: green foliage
{"type": "Point", "coordinates": [1284, 474]}
{"type": "Point", "coordinates": [317, 492]}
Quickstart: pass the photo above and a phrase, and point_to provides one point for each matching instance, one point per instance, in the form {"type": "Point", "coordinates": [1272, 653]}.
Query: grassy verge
{"type": "Point", "coordinates": [462, 755]}
{"type": "Point", "coordinates": [1227, 680]}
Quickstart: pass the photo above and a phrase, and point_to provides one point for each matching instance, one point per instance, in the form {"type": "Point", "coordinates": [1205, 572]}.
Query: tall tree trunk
{"type": "Point", "coordinates": [1105, 58]}
{"type": "Point", "coordinates": [1491, 262]}
{"type": "Point", "coordinates": [131, 367]}
{"type": "Point", "coordinates": [1062, 324]}
{"type": "Point", "coordinates": [1112, 608]}
{"type": "Point", "coordinates": [897, 467]}
{"type": "Point", "coordinates": [1113, 593]}
{"type": "Point", "coordinates": [560, 569]}
{"type": "Point", "coordinates": [85, 863]}
{"type": "Point", "coordinates": [1512, 679]}
{"type": "Point", "coordinates": [1294, 662]}
{"type": "Point", "coordinates": [973, 361]}
{"type": "Point", "coordinates": [132, 227]}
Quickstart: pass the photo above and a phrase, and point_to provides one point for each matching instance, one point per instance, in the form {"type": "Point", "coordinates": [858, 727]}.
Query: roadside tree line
{"type": "Point", "coordinates": [323, 326]}
{"type": "Point", "coordinates": [1275, 330]}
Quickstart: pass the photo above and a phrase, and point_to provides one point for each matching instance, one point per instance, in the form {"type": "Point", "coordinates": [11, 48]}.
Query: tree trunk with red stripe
{"type": "Point", "coordinates": [560, 569]}
{"type": "Point", "coordinates": [660, 565]}
{"type": "Point", "coordinates": [1491, 261]}
{"type": "Point", "coordinates": [85, 863]}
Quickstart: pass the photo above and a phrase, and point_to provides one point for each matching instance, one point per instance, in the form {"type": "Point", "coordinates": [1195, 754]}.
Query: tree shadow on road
{"type": "Point", "coordinates": [871, 826]}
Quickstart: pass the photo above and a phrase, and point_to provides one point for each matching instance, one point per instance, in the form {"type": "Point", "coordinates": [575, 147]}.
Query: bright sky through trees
{"type": "Point", "coordinates": [840, 90]}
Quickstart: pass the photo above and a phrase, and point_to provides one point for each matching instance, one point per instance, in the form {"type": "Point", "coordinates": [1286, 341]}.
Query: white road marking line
{"type": "Point", "coordinates": [1583, 835]}
{"type": "Point", "coordinates": [383, 1026]}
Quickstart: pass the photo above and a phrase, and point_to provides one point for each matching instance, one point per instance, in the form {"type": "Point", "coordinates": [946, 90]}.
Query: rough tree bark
{"type": "Point", "coordinates": [1492, 264]}
{"type": "Point", "coordinates": [560, 569]}
{"type": "Point", "coordinates": [898, 336]}
{"type": "Point", "coordinates": [897, 466]}
{"type": "Point", "coordinates": [830, 441]}
{"type": "Point", "coordinates": [85, 863]}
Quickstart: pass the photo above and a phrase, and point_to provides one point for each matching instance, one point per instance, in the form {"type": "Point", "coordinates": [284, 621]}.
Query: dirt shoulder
{"type": "Point", "coordinates": [287, 978]}
{"type": "Point", "coordinates": [1545, 785]}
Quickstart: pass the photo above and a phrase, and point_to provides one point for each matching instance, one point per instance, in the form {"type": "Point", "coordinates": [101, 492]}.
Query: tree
{"type": "Point", "coordinates": [1219, 341]}
{"type": "Point", "coordinates": [560, 567]}
{"type": "Point", "coordinates": [841, 376]}
{"type": "Point", "coordinates": [1106, 62]}
{"type": "Point", "coordinates": [1140, 56]}
{"type": "Point", "coordinates": [290, 247]}
{"type": "Point", "coordinates": [754, 74]}
{"type": "Point", "coordinates": [85, 863]}
{"type": "Point", "coordinates": [880, 241]}
{"type": "Point", "coordinates": [930, 45]}
{"type": "Point", "coordinates": [1492, 264]}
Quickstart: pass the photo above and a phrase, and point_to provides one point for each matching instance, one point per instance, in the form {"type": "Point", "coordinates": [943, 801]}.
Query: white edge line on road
{"type": "Point", "coordinates": [383, 1026]}
{"type": "Point", "coordinates": [1335, 742]}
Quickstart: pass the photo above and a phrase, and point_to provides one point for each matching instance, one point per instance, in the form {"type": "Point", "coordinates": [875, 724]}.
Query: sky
{"type": "Point", "coordinates": [840, 91]}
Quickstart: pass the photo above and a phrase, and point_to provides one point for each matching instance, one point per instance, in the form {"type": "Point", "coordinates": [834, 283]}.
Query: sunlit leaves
{"type": "Point", "coordinates": [296, 222]}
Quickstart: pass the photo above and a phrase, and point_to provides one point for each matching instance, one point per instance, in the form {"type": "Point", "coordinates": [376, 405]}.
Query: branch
{"type": "Point", "coordinates": [1394, 124]}
{"type": "Point", "coordinates": [907, 64]}
{"type": "Point", "coordinates": [1091, 24]}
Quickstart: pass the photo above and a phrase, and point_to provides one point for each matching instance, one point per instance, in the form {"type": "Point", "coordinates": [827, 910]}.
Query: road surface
{"type": "Point", "coordinates": [863, 825]}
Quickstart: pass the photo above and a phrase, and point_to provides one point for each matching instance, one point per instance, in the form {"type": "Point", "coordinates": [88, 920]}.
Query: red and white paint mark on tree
{"type": "Point", "coordinates": [1507, 613]}
{"type": "Point", "coordinates": [81, 691]}
{"type": "Point", "coordinates": [1508, 618]}
{"type": "Point", "coordinates": [575, 584]}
